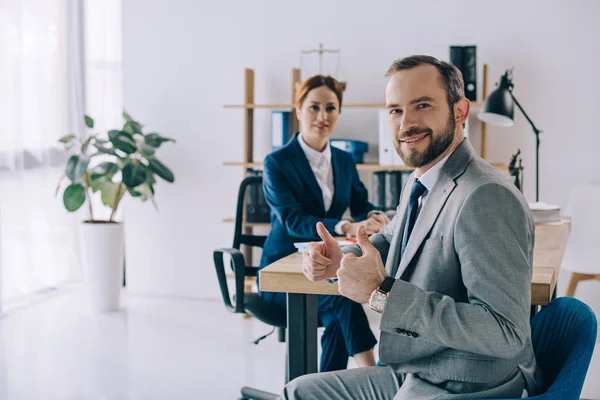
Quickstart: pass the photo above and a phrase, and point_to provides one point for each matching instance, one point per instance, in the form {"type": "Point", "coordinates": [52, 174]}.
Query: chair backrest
{"type": "Point", "coordinates": [584, 210]}
{"type": "Point", "coordinates": [249, 187]}
{"type": "Point", "coordinates": [564, 335]}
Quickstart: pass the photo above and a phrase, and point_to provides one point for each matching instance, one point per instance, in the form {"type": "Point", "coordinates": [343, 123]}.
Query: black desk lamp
{"type": "Point", "coordinates": [498, 110]}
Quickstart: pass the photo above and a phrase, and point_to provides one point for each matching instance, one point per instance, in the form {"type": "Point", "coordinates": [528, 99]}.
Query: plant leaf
{"type": "Point", "coordinates": [161, 170]}
{"type": "Point", "coordinates": [127, 116]}
{"type": "Point", "coordinates": [109, 193]}
{"type": "Point", "coordinates": [96, 183]}
{"type": "Point", "coordinates": [134, 175]}
{"type": "Point", "coordinates": [106, 150]}
{"type": "Point", "coordinates": [76, 167]}
{"type": "Point", "coordinates": [133, 193]}
{"type": "Point", "coordinates": [123, 141]}
{"type": "Point", "coordinates": [74, 197]}
{"type": "Point", "coordinates": [89, 122]}
{"type": "Point", "coordinates": [132, 127]}
{"type": "Point", "coordinates": [147, 150]}
{"type": "Point", "coordinates": [128, 128]}
{"type": "Point", "coordinates": [155, 140]}
{"type": "Point", "coordinates": [105, 170]}
{"type": "Point", "coordinates": [67, 139]}
{"type": "Point", "coordinates": [150, 179]}
{"type": "Point", "coordinates": [145, 190]}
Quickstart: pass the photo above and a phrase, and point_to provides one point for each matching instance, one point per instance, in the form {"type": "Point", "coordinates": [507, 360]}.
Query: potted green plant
{"type": "Point", "coordinates": [110, 167]}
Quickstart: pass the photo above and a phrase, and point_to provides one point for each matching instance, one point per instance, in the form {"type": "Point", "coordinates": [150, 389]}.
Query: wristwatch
{"type": "Point", "coordinates": [380, 295]}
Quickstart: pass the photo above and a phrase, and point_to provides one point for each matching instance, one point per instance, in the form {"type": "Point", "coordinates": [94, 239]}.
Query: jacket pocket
{"type": "Point", "coordinates": [463, 367]}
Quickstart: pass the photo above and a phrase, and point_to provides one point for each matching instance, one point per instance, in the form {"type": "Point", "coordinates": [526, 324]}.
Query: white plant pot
{"type": "Point", "coordinates": [102, 252]}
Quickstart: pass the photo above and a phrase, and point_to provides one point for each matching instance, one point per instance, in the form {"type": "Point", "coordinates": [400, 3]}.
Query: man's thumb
{"type": "Point", "coordinates": [363, 239]}
{"type": "Point", "coordinates": [324, 233]}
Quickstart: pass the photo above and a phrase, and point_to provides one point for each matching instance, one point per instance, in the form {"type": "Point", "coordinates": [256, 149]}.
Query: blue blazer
{"type": "Point", "coordinates": [296, 200]}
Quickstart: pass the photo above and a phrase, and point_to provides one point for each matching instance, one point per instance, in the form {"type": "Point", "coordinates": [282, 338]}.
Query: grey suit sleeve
{"type": "Point", "coordinates": [493, 240]}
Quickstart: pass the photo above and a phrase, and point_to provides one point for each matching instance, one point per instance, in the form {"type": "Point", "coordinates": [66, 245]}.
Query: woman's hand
{"type": "Point", "coordinates": [380, 217]}
{"type": "Point", "coordinates": [372, 225]}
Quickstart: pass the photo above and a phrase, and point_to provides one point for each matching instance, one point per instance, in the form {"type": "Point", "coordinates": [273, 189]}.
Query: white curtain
{"type": "Point", "coordinates": [36, 234]}
{"type": "Point", "coordinates": [103, 71]}
{"type": "Point", "coordinates": [58, 58]}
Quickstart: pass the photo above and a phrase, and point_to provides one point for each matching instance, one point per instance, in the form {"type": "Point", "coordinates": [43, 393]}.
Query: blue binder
{"type": "Point", "coordinates": [280, 128]}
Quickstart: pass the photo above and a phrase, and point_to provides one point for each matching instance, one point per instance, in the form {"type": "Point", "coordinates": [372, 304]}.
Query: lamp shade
{"type": "Point", "coordinates": [498, 108]}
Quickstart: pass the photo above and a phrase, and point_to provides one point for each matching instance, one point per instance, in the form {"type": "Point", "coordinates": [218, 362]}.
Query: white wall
{"type": "Point", "coordinates": [184, 59]}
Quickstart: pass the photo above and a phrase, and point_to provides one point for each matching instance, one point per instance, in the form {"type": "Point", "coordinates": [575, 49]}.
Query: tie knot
{"type": "Point", "coordinates": [417, 191]}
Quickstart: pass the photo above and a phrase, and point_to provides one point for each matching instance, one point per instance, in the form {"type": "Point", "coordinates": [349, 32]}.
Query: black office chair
{"type": "Point", "coordinates": [246, 302]}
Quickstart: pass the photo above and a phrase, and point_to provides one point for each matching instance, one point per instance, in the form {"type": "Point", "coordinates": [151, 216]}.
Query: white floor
{"type": "Point", "coordinates": [155, 348]}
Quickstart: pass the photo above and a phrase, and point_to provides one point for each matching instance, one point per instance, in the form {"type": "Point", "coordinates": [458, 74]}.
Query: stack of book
{"type": "Point", "coordinates": [386, 189]}
{"type": "Point", "coordinates": [544, 213]}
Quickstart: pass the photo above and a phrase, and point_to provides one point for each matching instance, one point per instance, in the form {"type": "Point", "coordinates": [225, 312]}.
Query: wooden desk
{"type": "Point", "coordinates": [286, 276]}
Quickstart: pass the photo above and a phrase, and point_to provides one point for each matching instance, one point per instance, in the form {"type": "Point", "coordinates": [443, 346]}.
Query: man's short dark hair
{"type": "Point", "coordinates": [451, 77]}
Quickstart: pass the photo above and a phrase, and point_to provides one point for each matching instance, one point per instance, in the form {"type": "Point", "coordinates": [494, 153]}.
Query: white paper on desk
{"type": "Point", "coordinates": [301, 246]}
{"type": "Point", "coordinates": [541, 206]}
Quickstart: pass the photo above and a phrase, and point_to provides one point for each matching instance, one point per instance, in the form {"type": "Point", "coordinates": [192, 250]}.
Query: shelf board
{"type": "Point", "coordinates": [249, 224]}
{"type": "Point", "coordinates": [474, 105]}
{"type": "Point", "coordinates": [360, 167]}
{"type": "Point", "coordinates": [290, 106]}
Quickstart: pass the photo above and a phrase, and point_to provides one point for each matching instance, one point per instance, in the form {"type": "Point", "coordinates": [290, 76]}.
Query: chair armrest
{"type": "Point", "coordinates": [239, 269]}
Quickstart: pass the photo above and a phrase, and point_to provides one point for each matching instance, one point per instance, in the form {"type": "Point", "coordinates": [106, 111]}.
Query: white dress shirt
{"type": "Point", "coordinates": [320, 163]}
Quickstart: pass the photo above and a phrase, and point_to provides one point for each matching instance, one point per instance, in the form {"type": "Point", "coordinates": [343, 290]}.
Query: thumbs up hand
{"type": "Point", "coordinates": [358, 277]}
{"type": "Point", "coordinates": [321, 260]}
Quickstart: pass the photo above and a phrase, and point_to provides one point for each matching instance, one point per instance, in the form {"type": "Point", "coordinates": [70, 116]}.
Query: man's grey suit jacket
{"type": "Point", "coordinates": [459, 310]}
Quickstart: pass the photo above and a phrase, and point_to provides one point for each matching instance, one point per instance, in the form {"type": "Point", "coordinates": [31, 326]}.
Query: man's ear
{"type": "Point", "coordinates": [461, 111]}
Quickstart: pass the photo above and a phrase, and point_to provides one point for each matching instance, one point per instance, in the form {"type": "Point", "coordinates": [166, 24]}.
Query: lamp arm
{"type": "Point", "coordinates": [537, 148]}
{"type": "Point", "coordinates": [535, 129]}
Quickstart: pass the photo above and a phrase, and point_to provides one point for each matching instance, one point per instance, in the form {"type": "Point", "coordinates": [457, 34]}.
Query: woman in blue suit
{"type": "Point", "coordinates": [308, 181]}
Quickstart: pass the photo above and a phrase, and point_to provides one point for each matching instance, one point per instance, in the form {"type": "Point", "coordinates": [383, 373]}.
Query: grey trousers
{"type": "Point", "coordinates": [381, 383]}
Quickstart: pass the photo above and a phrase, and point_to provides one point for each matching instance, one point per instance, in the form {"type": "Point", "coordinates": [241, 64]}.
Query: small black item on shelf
{"type": "Point", "coordinates": [465, 59]}
{"type": "Point", "coordinates": [516, 171]}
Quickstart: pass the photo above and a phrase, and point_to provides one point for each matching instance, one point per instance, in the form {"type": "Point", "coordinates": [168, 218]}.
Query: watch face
{"type": "Point", "coordinates": [378, 300]}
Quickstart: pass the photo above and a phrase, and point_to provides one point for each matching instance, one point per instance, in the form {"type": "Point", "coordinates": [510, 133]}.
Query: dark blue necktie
{"type": "Point", "coordinates": [411, 215]}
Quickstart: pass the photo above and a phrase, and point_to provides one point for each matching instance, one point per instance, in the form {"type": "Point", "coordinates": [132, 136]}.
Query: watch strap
{"type": "Point", "coordinates": [386, 285]}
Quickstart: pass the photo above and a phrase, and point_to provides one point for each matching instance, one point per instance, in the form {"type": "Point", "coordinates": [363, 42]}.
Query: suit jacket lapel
{"type": "Point", "coordinates": [426, 218]}
{"type": "Point", "coordinates": [306, 173]}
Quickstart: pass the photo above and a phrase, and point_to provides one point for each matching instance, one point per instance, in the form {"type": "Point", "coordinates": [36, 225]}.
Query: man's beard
{"type": "Point", "coordinates": [439, 143]}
